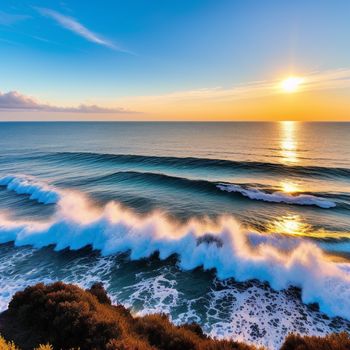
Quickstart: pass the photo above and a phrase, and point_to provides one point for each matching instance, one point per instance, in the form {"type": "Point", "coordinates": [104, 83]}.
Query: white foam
{"type": "Point", "coordinates": [82, 273]}
{"type": "Point", "coordinates": [261, 317]}
{"type": "Point", "coordinates": [224, 309]}
{"type": "Point", "coordinates": [114, 229]}
{"type": "Point", "coordinates": [38, 191]}
{"type": "Point", "coordinates": [278, 197]}
{"type": "Point", "coordinates": [157, 294]}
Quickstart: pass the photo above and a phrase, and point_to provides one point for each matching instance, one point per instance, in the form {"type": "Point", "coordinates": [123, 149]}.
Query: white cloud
{"type": "Point", "coordinates": [74, 26]}
{"type": "Point", "coordinates": [13, 100]}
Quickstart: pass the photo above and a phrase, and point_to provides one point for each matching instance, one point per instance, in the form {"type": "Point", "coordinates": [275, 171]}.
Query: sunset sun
{"type": "Point", "coordinates": [291, 84]}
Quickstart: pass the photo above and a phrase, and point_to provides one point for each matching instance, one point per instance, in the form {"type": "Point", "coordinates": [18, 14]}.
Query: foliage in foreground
{"type": "Point", "coordinates": [10, 345]}
{"type": "Point", "coordinates": [334, 341]}
{"type": "Point", "coordinates": [69, 317]}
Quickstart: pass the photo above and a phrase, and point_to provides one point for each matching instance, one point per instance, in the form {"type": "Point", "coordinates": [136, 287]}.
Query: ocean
{"type": "Point", "coordinates": [241, 227]}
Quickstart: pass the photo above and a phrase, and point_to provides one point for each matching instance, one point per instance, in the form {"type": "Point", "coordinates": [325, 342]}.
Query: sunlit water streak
{"type": "Point", "coordinates": [289, 144]}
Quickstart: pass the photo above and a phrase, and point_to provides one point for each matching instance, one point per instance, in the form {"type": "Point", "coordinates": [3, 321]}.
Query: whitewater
{"type": "Point", "coordinates": [214, 224]}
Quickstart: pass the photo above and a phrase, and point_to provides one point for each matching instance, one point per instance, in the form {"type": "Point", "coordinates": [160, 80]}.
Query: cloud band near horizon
{"type": "Point", "coordinates": [13, 100]}
{"type": "Point", "coordinates": [314, 81]}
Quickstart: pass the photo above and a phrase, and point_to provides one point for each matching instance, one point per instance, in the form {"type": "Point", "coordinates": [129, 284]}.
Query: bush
{"type": "Point", "coordinates": [129, 343]}
{"type": "Point", "coordinates": [65, 316]}
{"type": "Point", "coordinates": [336, 341]}
{"type": "Point", "coordinates": [163, 335]}
{"type": "Point", "coordinates": [100, 293]}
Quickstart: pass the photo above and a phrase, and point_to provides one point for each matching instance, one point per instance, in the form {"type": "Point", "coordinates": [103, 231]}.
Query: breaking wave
{"type": "Point", "coordinates": [160, 179]}
{"type": "Point", "coordinates": [36, 190]}
{"type": "Point", "coordinates": [224, 245]}
{"type": "Point", "coordinates": [278, 197]}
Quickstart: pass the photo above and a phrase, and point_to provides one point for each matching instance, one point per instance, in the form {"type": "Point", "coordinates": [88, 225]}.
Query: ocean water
{"type": "Point", "coordinates": [241, 227]}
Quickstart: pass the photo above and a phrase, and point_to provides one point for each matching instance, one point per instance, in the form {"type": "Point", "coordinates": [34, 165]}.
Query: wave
{"type": "Point", "coordinates": [24, 184]}
{"type": "Point", "coordinates": [278, 197]}
{"type": "Point", "coordinates": [223, 246]}
{"type": "Point", "coordinates": [160, 179]}
{"type": "Point", "coordinates": [195, 163]}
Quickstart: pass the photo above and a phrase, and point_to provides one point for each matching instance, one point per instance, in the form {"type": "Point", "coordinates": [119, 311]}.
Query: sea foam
{"type": "Point", "coordinates": [233, 252]}
{"type": "Point", "coordinates": [278, 197]}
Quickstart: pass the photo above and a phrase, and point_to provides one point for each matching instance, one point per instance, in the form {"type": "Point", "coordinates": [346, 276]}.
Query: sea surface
{"type": "Point", "coordinates": [241, 227]}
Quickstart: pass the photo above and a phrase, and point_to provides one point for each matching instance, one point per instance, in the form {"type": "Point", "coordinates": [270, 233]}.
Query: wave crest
{"type": "Point", "coordinates": [278, 197]}
{"type": "Point", "coordinates": [37, 191]}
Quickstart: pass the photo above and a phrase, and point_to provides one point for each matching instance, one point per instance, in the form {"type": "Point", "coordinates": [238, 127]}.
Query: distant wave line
{"type": "Point", "coordinates": [197, 163]}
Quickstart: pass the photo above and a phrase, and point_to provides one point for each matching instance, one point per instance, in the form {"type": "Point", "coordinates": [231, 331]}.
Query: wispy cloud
{"type": "Point", "coordinates": [13, 100]}
{"type": "Point", "coordinates": [327, 80]}
{"type": "Point", "coordinates": [7, 19]}
{"type": "Point", "coordinates": [312, 81]}
{"type": "Point", "coordinates": [74, 26]}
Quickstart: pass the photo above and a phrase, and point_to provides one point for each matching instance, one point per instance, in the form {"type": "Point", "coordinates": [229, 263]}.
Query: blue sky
{"type": "Point", "coordinates": [98, 52]}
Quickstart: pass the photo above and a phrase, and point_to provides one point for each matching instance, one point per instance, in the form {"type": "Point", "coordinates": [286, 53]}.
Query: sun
{"type": "Point", "coordinates": [291, 84]}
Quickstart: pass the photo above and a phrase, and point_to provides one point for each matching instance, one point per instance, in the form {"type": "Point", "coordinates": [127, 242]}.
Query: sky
{"type": "Point", "coordinates": [215, 60]}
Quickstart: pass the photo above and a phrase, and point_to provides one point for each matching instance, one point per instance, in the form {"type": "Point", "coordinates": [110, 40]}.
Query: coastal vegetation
{"type": "Point", "coordinates": [64, 316]}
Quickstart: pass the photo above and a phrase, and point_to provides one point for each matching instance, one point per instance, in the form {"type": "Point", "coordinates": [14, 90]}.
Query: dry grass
{"type": "Point", "coordinates": [336, 341]}
{"type": "Point", "coordinates": [7, 345]}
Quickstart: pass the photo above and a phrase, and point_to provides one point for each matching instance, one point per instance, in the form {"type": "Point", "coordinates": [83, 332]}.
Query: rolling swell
{"type": "Point", "coordinates": [159, 179]}
{"type": "Point", "coordinates": [204, 186]}
{"type": "Point", "coordinates": [198, 163]}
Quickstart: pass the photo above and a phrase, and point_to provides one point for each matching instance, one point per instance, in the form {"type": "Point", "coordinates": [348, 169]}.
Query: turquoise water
{"type": "Point", "coordinates": [144, 207]}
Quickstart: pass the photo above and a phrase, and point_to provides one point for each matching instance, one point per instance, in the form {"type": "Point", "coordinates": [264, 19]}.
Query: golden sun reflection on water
{"type": "Point", "coordinates": [289, 187]}
{"type": "Point", "coordinates": [294, 225]}
{"type": "Point", "coordinates": [290, 225]}
{"type": "Point", "coordinates": [288, 143]}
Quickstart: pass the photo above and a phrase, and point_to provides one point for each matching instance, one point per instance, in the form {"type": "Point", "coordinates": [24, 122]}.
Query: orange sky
{"type": "Point", "coordinates": [320, 96]}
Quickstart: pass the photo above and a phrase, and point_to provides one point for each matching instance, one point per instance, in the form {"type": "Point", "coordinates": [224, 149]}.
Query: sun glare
{"type": "Point", "coordinates": [291, 84]}
{"type": "Point", "coordinates": [290, 225]}
{"type": "Point", "coordinates": [289, 187]}
{"type": "Point", "coordinates": [288, 142]}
